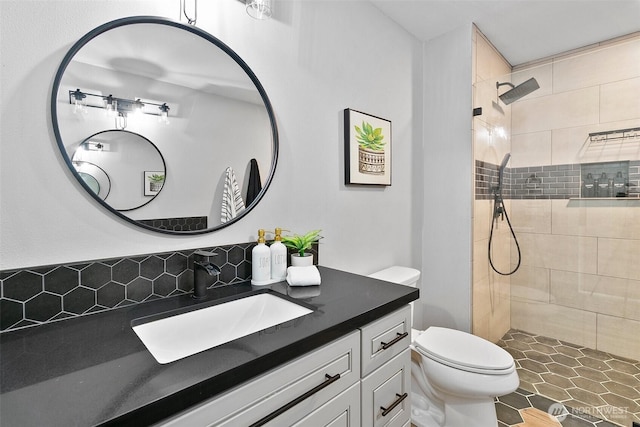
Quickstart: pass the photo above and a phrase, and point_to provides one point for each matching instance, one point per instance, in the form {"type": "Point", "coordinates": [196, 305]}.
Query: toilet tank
{"type": "Point", "coordinates": [398, 274]}
{"type": "Point", "coordinates": [401, 275]}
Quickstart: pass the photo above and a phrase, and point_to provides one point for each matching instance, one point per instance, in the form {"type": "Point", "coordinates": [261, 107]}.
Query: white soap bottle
{"type": "Point", "coordinates": [260, 262]}
{"type": "Point", "coordinates": [278, 258]}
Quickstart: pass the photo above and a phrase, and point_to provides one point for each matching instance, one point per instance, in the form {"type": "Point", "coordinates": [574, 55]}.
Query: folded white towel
{"type": "Point", "coordinates": [303, 276]}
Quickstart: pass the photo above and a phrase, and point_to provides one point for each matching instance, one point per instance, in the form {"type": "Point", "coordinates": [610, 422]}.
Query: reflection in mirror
{"type": "Point", "coordinates": [219, 124]}
{"type": "Point", "coordinates": [127, 159]}
{"type": "Point", "coordinates": [95, 177]}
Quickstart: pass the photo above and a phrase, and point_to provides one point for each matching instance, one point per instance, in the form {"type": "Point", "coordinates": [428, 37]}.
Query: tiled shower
{"type": "Point", "coordinates": [570, 142]}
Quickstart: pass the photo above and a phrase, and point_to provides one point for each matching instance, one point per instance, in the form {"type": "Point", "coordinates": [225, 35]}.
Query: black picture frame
{"type": "Point", "coordinates": [367, 149]}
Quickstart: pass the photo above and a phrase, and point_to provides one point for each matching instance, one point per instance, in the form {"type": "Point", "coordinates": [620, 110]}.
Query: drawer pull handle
{"type": "Point", "coordinates": [401, 397]}
{"type": "Point", "coordinates": [399, 336]}
{"type": "Point", "coordinates": [329, 380]}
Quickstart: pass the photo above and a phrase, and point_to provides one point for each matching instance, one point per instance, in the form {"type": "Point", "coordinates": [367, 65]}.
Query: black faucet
{"type": "Point", "coordinates": [203, 271]}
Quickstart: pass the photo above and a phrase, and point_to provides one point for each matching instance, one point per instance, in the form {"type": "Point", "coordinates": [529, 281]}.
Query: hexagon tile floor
{"type": "Point", "coordinates": [580, 386]}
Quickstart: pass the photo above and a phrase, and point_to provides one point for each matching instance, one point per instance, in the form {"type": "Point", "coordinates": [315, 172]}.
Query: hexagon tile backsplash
{"type": "Point", "coordinates": [44, 294]}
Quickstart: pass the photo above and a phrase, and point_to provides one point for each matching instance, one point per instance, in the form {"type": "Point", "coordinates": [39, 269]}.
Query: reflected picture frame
{"type": "Point", "coordinates": [153, 182]}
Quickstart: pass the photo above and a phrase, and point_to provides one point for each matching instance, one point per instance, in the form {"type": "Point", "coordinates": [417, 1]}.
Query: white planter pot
{"type": "Point", "coordinates": [301, 261]}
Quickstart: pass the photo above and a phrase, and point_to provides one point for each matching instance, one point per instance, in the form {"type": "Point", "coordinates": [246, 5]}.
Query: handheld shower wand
{"type": "Point", "coordinates": [499, 211]}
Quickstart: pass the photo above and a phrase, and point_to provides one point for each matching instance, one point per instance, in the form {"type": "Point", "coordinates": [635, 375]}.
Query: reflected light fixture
{"type": "Point", "coordinates": [79, 101]}
{"type": "Point", "coordinates": [259, 9]}
{"type": "Point", "coordinates": [191, 20]}
{"type": "Point", "coordinates": [164, 114]}
{"type": "Point", "coordinates": [138, 107]}
{"type": "Point", "coordinates": [111, 106]}
{"type": "Point", "coordinates": [117, 108]}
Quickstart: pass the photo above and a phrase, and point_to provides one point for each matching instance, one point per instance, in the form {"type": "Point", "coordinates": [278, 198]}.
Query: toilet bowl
{"type": "Point", "coordinates": [455, 376]}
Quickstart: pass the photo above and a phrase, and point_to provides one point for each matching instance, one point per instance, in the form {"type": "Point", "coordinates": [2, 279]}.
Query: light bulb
{"type": "Point", "coordinates": [79, 102]}
{"type": "Point", "coordinates": [259, 9]}
{"type": "Point", "coordinates": [137, 107]}
{"type": "Point", "coordinates": [111, 106]}
{"type": "Point", "coordinates": [164, 114]}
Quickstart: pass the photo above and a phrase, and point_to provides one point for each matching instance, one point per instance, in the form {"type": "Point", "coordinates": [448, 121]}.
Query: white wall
{"type": "Point", "coordinates": [314, 59]}
{"type": "Point", "coordinates": [448, 191]}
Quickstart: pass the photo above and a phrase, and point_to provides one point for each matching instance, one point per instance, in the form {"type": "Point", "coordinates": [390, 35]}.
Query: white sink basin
{"type": "Point", "coordinates": [172, 338]}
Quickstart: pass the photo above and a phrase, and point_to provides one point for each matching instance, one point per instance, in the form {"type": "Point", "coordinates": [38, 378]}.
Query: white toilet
{"type": "Point", "coordinates": [455, 376]}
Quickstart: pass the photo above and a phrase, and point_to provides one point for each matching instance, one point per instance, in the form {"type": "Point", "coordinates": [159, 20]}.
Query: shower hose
{"type": "Point", "coordinates": [500, 211]}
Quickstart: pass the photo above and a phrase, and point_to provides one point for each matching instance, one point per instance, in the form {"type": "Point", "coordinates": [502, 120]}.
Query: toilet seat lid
{"type": "Point", "coordinates": [464, 351]}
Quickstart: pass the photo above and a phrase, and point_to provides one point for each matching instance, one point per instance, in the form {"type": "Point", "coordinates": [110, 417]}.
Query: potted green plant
{"type": "Point", "coordinates": [155, 181]}
{"type": "Point", "coordinates": [370, 149]}
{"type": "Point", "coordinates": [301, 243]}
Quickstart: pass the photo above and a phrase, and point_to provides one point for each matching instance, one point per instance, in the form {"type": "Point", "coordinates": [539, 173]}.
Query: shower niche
{"type": "Point", "coordinates": [604, 180]}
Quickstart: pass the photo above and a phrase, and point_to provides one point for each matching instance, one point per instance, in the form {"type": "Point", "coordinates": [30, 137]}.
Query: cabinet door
{"type": "Point", "coordinates": [307, 382]}
{"type": "Point", "coordinates": [386, 399]}
{"type": "Point", "coordinates": [384, 339]}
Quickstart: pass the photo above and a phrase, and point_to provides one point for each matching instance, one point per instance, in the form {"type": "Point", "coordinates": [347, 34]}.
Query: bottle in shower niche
{"type": "Point", "coordinates": [261, 262]}
{"type": "Point", "coordinates": [278, 258]}
{"type": "Point", "coordinates": [619, 185]}
{"type": "Point", "coordinates": [603, 185]}
{"type": "Point", "coordinates": [611, 189]}
{"type": "Point", "coordinates": [588, 186]}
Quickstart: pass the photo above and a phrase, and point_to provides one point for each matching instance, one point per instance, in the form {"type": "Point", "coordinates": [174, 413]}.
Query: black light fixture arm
{"type": "Point", "coordinates": [123, 105]}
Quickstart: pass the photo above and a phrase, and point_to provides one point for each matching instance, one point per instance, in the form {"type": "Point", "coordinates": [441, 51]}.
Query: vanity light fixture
{"type": "Point", "coordinates": [259, 9]}
{"type": "Point", "coordinates": [118, 108]}
{"type": "Point", "coordinates": [111, 105]}
{"type": "Point", "coordinates": [138, 107]}
{"type": "Point", "coordinates": [94, 146]}
{"type": "Point", "coordinates": [79, 101]}
{"type": "Point", "coordinates": [164, 114]}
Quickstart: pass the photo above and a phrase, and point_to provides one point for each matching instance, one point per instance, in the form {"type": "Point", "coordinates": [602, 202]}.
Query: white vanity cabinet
{"type": "Point", "coordinates": [323, 384]}
{"type": "Point", "coordinates": [361, 379]}
{"type": "Point", "coordinates": [386, 370]}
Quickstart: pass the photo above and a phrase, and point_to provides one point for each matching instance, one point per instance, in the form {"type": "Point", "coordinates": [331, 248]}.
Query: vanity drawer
{"type": "Point", "coordinates": [341, 411]}
{"type": "Point", "coordinates": [294, 388]}
{"type": "Point", "coordinates": [384, 339]}
{"type": "Point", "coordinates": [386, 393]}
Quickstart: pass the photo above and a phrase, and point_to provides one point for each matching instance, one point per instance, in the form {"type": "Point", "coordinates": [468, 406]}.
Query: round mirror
{"type": "Point", "coordinates": [96, 178]}
{"type": "Point", "coordinates": [121, 154]}
{"type": "Point", "coordinates": [164, 125]}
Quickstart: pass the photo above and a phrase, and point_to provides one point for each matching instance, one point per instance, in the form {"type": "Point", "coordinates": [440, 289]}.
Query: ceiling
{"type": "Point", "coordinates": [521, 30]}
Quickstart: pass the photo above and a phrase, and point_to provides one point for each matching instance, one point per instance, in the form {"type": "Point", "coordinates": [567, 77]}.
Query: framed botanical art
{"type": "Point", "coordinates": [367, 149]}
{"type": "Point", "coordinates": [153, 182]}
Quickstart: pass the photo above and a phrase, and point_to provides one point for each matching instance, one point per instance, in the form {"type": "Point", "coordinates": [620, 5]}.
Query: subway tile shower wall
{"type": "Point", "coordinates": [45, 294]}
{"type": "Point", "coordinates": [542, 182]}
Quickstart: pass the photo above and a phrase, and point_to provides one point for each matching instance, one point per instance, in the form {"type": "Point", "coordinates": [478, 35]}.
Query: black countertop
{"type": "Point", "coordinates": [94, 370]}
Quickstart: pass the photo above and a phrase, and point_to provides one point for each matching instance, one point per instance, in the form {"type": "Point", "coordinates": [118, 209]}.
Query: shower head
{"type": "Point", "coordinates": [517, 92]}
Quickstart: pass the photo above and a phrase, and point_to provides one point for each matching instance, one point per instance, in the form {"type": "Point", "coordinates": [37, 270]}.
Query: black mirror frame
{"type": "Point", "coordinates": [164, 164]}
{"type": "Point", "coordinates": [194, 30]}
